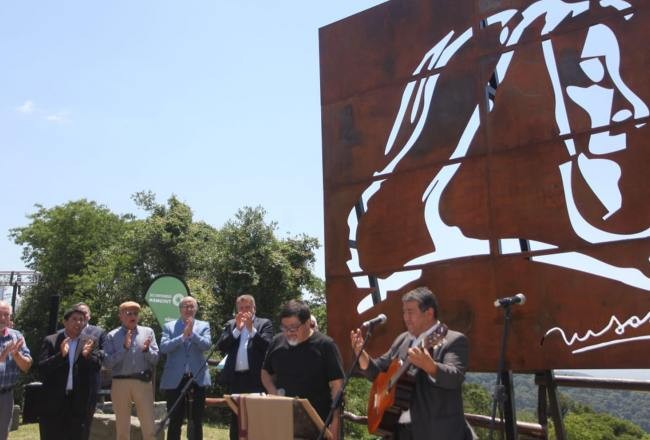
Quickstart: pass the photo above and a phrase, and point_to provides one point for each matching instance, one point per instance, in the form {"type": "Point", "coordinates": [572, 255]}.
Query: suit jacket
{"type": "Point", "coordinates": [53, 369]}
{"type": "Point", "coordinates": [99, 335]}
{"type": "Point", "coordinates": [256, 349]}
{"type": "Point", "coordinates": [436, 404]}
{"type": "Point", "coordinates": [180, 352]}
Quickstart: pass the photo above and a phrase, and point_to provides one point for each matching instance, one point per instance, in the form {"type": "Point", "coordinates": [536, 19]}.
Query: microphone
{"type": "Point", "coordinates": [375, 321]}
{"type": "Point", "coordinates": [519, 298]}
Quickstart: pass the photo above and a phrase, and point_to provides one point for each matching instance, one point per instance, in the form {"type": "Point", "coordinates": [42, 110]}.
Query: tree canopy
{"type": "Point", "coordinates": [87, 253]}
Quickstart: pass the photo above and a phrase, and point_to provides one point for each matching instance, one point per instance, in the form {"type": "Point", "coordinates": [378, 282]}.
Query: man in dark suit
{"type": "Point", "coordinates": [436, 404]}
{"type": "Point", "coordinates": [68, 361]}
{"type": "Point", "coordinates": [99, 335]}
{"type": "Point", "coordinates": [244, 341]}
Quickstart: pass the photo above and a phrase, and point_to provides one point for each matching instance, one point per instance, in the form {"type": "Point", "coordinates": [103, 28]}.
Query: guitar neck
{"type": "Point", "coordinates": [402, 369]}
{"type": "Point", "coordinates": [428, 342]}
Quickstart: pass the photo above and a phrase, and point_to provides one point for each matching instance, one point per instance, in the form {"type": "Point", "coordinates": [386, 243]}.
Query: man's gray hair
{"type": "Point", "coordinates": [424, 297]}
{"type": "Point", "coordinates": [245, 297]}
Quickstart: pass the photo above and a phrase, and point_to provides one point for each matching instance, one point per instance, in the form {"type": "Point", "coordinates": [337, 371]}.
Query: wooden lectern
{"type": "Point", "coordinates": [263, 417]}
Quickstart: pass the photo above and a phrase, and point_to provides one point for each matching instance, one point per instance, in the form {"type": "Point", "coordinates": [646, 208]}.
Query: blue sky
{"type": "Point", "coordinates": [216, 102]}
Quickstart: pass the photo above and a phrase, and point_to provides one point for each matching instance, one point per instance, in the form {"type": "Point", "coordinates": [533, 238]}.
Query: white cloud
{"type": "Point", "coordinates": [26, 108]}
{"type": "Point", "coordinates": [58, 117]}
{"type": "Point", "coordinates": [55, 117]}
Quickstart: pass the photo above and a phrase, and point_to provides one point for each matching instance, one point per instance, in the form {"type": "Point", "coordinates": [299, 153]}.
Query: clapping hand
{"type": "Point", "coordinates": [65, 347]}
{"type": "Point", "coordinates": [16, 346]}
{"type": "Point", "coordinates": [189, 327]}
{"type": "Point", "coordinates": [128, 339]}
{"type": "Point", "coordinates": [87, 348]}
{"type": "Point", "coordinates": [6, 350]}
{"type": "Point", "coordinates": [244, 319]}
{"type": "Point", "coordinates": [147, 343]}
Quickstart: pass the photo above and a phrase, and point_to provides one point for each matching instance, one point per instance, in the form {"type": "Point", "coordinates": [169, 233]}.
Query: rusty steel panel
{"type": "Point", "coordinates": [490, 148]}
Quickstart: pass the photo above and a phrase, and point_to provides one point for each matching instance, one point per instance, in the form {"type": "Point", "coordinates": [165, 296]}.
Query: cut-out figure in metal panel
{"type": "Point", "coordinates": [600, 60]}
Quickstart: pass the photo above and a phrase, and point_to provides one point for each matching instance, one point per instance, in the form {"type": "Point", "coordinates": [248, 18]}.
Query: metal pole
{"type": "Point", "coordinates": [503, 394]}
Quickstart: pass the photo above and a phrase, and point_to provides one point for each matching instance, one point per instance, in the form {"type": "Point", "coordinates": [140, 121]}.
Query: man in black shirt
{"type": "Point", "coordinates": [301, 362]}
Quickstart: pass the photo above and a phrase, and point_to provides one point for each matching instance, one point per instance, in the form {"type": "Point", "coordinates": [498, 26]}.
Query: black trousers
{"type": "Point", "coordinates": [68, 423]}
{"type": "Point", "coordinates": [403, 432]}
{"type": "Point", "coordinates": [241, 383]}
{"type": "Point", "coordinates": [92, 404]}
{"type": "Point", "coordinates": [197, 395]}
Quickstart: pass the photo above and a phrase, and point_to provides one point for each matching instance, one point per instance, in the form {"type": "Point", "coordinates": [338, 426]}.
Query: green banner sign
{"type": "Point", "coordinates": [164, 295]}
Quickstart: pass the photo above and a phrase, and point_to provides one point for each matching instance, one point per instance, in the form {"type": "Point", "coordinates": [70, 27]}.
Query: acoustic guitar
{"type": "Point", "coordinates": [391, 390]}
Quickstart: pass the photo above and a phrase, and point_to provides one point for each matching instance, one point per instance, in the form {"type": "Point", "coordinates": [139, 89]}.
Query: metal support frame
{"type": "Point", "coordinates": [16, 279]}
{"type": "Point", "coordinates": [548, 393]}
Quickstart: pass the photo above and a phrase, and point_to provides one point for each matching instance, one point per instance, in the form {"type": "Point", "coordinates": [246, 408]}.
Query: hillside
{"type": "Point", "coordinates": [629, 405]}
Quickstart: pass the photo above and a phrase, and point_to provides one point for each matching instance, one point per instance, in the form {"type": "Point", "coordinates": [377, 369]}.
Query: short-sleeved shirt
{"type": "Point", "coordinates": [306, 369]}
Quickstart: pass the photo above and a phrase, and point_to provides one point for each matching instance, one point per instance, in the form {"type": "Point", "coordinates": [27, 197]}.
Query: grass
{"type": "Point", "coordinates": [30, 432]}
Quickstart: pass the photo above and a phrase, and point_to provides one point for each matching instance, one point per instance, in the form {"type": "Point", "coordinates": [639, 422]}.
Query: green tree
{"type": "Point", "coordinates": [251, 259]}
{"type": "Point", "coordinates": [61, 243]}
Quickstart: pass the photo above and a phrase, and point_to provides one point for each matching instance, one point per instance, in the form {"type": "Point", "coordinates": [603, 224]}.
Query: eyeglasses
{"type": "Point", "coordinates": [188, 306]}
{"type": "Point", "coordinates": [291, 328]}
{"type": "Point", "coordinates": [131, 313]}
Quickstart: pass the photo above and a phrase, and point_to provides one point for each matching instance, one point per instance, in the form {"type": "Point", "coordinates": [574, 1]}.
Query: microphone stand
{"type": "Point", "coordinates": [499, 396]}
{"type": "Point", "coordinates": [184, 394]}
{"type": "Point", "coordinates": [338, 400]}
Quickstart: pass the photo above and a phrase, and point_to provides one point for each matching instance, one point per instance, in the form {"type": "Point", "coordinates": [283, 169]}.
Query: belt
{"type": "Point", "coordinates": [144, 376]}
{"type": "Point", "coordinates": [242, 371]}
{"type": "Point", "coordinates": [6, 390]}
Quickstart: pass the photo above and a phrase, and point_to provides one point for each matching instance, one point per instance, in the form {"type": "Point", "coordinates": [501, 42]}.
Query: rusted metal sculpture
{"type": "Point", "coordinates": [486, 148]}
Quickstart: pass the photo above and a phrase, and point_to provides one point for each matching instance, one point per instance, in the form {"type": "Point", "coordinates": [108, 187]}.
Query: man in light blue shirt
{"type": "Point", "coordinates": [131, 354]}
{"type": "Point", "coordinates": [14, 359]}
{"type": "Point", "coordinates": [185, 341]}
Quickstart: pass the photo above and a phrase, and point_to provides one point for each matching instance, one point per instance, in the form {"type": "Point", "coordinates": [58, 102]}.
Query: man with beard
{"type": "Point", "coordinates": [304, 363]}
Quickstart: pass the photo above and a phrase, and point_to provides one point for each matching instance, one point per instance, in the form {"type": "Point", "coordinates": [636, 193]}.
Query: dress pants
{"type": "Point", "coordinates": [125, 391]}
{"type": "Point", "coordinates": [197, 408]}
{"type": "Point", "coordinates": [68, 423]}
{"type": "Point", "coordinates": [6, 411]}
{"type": "Point", "coordinates": [242, 382]}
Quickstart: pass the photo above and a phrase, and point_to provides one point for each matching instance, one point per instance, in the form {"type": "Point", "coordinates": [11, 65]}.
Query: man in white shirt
{"type": "Point", "coordinates": [244, 341]}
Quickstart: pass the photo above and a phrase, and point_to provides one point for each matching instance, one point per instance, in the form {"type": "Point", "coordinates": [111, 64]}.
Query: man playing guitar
{"type": "Point", "coordinates": [423, 400]}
